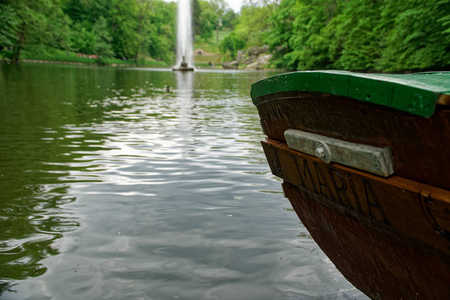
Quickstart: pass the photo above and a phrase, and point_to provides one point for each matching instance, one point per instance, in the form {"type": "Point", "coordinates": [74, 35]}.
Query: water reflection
{"type": "Point", "coordinates": [114, 188]}
{"type": "Point", "coordinates": [185, 93]}
{"type": "Point", "coordinates": [41, 154]}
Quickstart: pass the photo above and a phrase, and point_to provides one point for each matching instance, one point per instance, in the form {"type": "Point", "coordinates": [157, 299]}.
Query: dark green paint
{"type": "Point", "coordinates": [414, 93]}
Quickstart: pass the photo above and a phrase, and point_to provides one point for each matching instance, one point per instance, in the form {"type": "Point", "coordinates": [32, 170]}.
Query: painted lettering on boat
{"type": "Point", "coordinates": [436, 214]}
{"type": "Point", "coordinates": [276, 161]}
{"type": "Point", "coordinates": [355, 193]}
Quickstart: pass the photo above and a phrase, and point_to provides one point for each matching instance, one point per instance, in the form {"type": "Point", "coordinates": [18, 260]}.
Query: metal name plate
{"type": "Point", "coordinates": [359, 156]}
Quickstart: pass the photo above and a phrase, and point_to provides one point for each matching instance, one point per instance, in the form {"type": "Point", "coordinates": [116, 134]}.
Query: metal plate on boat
{"type": "Point", "coordinates": [368, 158]}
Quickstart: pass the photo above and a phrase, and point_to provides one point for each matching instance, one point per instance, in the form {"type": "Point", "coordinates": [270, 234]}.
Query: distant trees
{"type": "Point", "coordinates": [231, 44]}
{"type": "Point", "coordinates": [124, 29]}
{"type": "Point", "coordinates": [377, 35]}
{"type": "Point", "coordinates": [219, 7]}
{"type": "Point", "coordinates": [101, 38]}
{"type": "Point", "coordinates": [249, 28]}
{"type": "Point", "coordinates": [30, 22]}
{"type": "Point", "coordinates": [107, 28]}
{"type": "Point", "coordinates": [161, 40]}
{"type": "Point", "coordinates": [207, 20]}
{"type": "Point", "coordinates": [254, 23]}
{"type": "Point", "coordinates": [418, 36]}
{"type": "Point", "coordinates": [212, 15]}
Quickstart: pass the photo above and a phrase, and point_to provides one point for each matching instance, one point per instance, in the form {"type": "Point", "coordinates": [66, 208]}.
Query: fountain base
{"type": "Point", "coordinates": [183, 69]}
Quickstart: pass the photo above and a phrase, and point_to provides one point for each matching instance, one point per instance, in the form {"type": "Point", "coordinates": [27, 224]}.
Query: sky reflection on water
{"type": "Point", "coordinates": [113, 188]}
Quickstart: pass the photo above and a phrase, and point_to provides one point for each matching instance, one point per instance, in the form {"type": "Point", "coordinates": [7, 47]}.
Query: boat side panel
{"type": "Point", "coordinates": [415, 93]}
{"type": "Point", "coordinates": [389, 237]}
{"type": "Point", "coordinates": [377, 260]}
{"type": "Point", "coordinates": [418, 211]}
{"type": "Point", "coordinates": [418, 144]}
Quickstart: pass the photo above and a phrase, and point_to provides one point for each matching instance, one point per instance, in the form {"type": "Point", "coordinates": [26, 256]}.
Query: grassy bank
{"type": "Point", "coordinates": [206, 54]}
{"type": "Point", "coordinates": [41, 54]}
{"type": "Point", "coordinates": [209, 49]}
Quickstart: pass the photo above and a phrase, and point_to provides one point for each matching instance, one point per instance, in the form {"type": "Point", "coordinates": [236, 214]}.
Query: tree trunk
{"type": "Point", "coordinates": [217, 32]}
{"type": "Point", "coordinates": [18, 47]}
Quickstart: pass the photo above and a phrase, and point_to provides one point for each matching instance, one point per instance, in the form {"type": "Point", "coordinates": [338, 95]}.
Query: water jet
{"type": "Point", "coordinates": [184, 37]}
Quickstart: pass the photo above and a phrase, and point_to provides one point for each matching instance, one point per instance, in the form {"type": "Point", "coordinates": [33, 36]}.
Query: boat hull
{"type": "Point", "coordinates": [389, 237]}
{"type": "Point", "coordinates": [418, 144]}
{"type": "Point", "coordinates": [365, 163]}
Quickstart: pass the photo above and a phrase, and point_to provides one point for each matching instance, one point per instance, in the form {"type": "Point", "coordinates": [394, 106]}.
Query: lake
{"type": "Point", "coordinates": [113, 187]}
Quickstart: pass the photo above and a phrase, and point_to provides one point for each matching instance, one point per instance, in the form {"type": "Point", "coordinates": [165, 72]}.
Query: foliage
{"type": "Point", "coordinates": [212, 15]}
{"type": "Point", "coordinates": [45, 53]}
{"type": "Point", "coordinates": [9, 25]}
{"type": "Point", "coordinates": [419, 37]}
{"type": "Point", "coordinates": [102, 39]}
{"type": "Point", "coordinates": [125, 29]}
{"type": "Point", "coordinates": [281, 31]}
{"type": "Point", "coordinates": [219, 7]}
{"type": "Point", "coordinates": [229, 19]}
{"type": "Point", "coordinates": [196, 13]}
{"type": "Point", "coordinates": [162, 37]}
{"type": "Point", "coordinates": [207, 20]}
{"type": "Point", "coordinates": [231, 44]}
{"type": "Point", "coordinates": [32, 22]}
{"type": "Point", "coordinates": [377, 35]}
{"type": "Point", "coordinates": [249, 28]}
{"type": "Point", "coordinates": [253, 24]}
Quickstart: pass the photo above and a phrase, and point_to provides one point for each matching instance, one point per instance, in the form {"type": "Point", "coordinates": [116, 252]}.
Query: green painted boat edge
{"type": "Point", "coordinates": [415, 93]}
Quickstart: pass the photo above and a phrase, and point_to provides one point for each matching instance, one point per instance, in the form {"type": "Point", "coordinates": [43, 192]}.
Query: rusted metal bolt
{"type": "Point", "coordinates": [320, 153]}
{"type": "Point", "coordinates": [323, 153]}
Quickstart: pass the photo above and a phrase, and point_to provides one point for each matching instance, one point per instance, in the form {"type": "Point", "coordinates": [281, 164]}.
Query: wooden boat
{"type": "Point", "coordinates": [365, 160]}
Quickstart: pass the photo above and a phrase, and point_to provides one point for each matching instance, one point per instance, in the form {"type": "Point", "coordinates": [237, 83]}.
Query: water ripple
{"type": "Point", "coordinates": [121, 190]}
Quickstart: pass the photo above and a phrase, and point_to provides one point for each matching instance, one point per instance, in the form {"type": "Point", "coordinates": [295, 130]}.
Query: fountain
{"type": "Point", "coordinates": [184, 37]}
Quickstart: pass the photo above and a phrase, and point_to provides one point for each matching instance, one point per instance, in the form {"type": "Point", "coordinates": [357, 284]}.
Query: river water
{"type": "Point", "coordinates": [113, 188]}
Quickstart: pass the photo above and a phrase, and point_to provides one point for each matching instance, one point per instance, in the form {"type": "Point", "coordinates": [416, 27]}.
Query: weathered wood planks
{"type": "Point", "coordinates": [395, 232]}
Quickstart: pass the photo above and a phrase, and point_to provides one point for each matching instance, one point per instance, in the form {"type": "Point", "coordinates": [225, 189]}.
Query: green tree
{"type": "Point", "coordinates": [86, 11]}
{"type": "Point", "coordinates": [9, 25]}
{"type": "Point", "coordinates": [219, 7]}
{"type": "Point", "coordinates": [32, 22]}
{"type": "Point", "coordinates": [207, 21]}
{"type": "Point", "coordinates": [121, 15]}
{"type": "Point", "coordinates": [120, 28]}
{"type": "Point", "coordinates": [377, 35]}
{"type": "Point", "coordinates": [231, 44]}
{"type": "Point", "coordinates": [354, 35]}
{"type": "Point", "coordinates": [81, 39]}
{"type": "Point", "coordinates": [418, 36]}
{"type": "Point", "coordinates": [102, 39]}
{"type": "Point", "coordinates": [310, 46]}
{"type": "Point", "coordinates": [162, 36]}
{"type": "Point", "coordinates": [143, 28]}
{"type": "Point", "coordinates": [229, 19]}
{"type": "Point", "coordinates": [280, 31]}
{"type": "Point", "coordinates": [254, 24]}
{"type": "Point", "coordinates": [196, 15]}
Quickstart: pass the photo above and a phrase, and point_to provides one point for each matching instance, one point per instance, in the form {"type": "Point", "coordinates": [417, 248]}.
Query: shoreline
{"type": "Point", "coordinates": [40, 61]}
{"type": "Point", "coordinates": [53, 62]}
{"type": "Point", "coordinates": [61, 62]}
